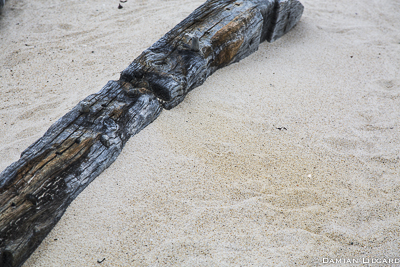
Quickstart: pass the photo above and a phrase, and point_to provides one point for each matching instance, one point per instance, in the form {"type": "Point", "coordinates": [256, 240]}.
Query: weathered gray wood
{"type": "Point", "coordinates": [36, 190]}
{"type": "Point", "coordinates": [216, 34]}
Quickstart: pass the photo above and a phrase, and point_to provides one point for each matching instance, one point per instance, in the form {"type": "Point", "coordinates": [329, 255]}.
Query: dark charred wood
{"type": "Point", "coordinates": [36, 190]}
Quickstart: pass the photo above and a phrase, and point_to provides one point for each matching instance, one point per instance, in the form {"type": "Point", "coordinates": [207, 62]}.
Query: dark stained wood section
{"type": "Point", "coordinates": [36, 190]}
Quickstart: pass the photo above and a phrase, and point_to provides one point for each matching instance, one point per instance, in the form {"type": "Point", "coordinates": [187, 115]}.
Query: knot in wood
{"type": "Point", "coordinates": [84, 107]}
{"type": "Point", "coordinates": [31, 198]}
{"type": "Point", "coordinates": [109, 125]}
{"type": "Point", "coordinates": [105, 140]}
{"type": "Point", "coordinates": [195, 45]}
{"type": "Point", "coordinates": [133, 92]}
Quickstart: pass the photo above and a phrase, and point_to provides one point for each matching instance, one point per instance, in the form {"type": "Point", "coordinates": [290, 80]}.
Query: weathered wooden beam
{"type": "Point", "coordinates": [36, 190]}
{"type": "Point", "coordinates": [216, 34]}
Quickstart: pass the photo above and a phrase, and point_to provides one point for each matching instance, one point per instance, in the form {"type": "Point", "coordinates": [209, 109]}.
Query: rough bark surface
{"type": "Point", "coordinates": [36, 190]}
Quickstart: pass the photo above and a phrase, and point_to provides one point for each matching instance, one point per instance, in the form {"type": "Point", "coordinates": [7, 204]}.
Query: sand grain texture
{"type": "Point", "coordinates": [282, 159]}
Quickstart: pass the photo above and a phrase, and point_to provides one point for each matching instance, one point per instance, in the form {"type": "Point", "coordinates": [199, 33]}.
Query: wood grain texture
{"type": "Point", "coordinates": [216, 34]}
{"type": "Point", "coordinates": [36, 190]}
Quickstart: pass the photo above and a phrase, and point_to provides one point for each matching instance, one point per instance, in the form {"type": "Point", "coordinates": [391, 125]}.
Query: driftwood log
{"type": "Point", "coordinates": [36, 190]}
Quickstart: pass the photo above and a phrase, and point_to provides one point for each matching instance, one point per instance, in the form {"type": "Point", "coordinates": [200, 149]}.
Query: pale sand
{"type": "Point", "coordinates": [213, 182]}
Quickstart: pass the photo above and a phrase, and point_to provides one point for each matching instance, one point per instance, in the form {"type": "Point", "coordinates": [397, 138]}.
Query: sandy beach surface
{"type": "Point", "coordinates": [290, 157]}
